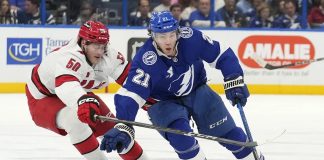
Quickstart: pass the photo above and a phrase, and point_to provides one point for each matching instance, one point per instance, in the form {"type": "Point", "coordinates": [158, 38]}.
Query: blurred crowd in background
{"type": "Point", "coordinates": [293, 14]}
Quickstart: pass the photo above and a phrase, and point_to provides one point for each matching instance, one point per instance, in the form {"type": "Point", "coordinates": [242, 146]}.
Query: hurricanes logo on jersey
{"type": "Point", "coordinates": [149, 58]}
{"type": "Point", "coordinates": [121, 57]}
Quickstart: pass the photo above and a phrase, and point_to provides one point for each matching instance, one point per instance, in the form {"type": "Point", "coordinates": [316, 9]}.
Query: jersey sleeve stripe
{"type": "Point", "coordinates": [64, 78]}
{"type": "Point", "coordinates": [37, 82]}
{"type": "Point", "coordinates": [138, 99]}
{"type": "Point", "coordinates": [223, 49]}
{"type": "Point", "coordinates": [121, 79]}
{"type": "Point", "coordinates": [213, 64]}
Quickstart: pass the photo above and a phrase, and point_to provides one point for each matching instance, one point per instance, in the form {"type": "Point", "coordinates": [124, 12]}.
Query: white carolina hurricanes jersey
{"type": "Point", "coordinates": [66, 73]}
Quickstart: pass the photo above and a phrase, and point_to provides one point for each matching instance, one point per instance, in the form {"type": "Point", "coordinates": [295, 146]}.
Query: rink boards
{"type": "Point", "coordinates": [22, 47]}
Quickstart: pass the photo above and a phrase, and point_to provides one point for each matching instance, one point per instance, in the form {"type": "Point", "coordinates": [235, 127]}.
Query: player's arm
{"type": "Point", "coordinates": [120, 66]}
{"type": "Point", "coordinates": [235, 88]}
{"type": "Point", "coordinates": [133, 94]}
{"type": "Point", "coordinates": [222, 57]}
{"type": "Point", "coordinates": [218, 55]}
{"type": "Point", "coordinates": [121, 137]}
{"type": "Point", "coordinates": [127, 102]}
{"type": "Point", "coordinates": [69, 73]}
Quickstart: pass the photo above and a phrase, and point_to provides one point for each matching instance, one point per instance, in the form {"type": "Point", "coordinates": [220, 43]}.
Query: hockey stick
{"type": "Point", "coordinates": [269, 66]}
{"type": "Point", "coordinates": [247, 130]}
{"type": "Point", "coordinates": [175, 131]}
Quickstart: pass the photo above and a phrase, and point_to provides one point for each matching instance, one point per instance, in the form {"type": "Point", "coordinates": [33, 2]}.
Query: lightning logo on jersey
{"type": "Point", "coordinates": [183, 84]}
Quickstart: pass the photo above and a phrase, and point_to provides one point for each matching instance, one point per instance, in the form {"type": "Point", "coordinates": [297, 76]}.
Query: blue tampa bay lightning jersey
{"type": "Point", "coordinates": [153, 74]}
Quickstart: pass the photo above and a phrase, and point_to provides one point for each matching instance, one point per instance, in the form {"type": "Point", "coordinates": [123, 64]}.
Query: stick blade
{"type": "Point", "coordinates": [261, 62]}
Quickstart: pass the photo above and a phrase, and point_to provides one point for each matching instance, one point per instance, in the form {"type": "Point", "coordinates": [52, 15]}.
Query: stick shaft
{"type": "Point", "coordinates": [247, 129]}
{"type": "Point", "coordinates": [269, 66]}
{"type": "Point", "coordinates": [175, 131]}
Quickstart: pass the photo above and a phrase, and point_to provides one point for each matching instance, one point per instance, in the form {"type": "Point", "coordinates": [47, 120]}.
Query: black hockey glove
{"type": "Point", "coordinates": [235, 89]}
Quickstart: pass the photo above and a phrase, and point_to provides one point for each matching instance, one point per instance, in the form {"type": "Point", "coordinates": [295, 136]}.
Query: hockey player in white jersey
{"type": "Point", "coordinates": [59, 91]}
{"type": "Point", "coordinates": [169, 68]}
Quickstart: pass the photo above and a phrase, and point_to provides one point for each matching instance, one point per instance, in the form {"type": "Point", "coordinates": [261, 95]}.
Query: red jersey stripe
{"type": "Point", "coordinates": [120, 80]}
{"type": "Point", "coordinates": [64, 78]}
{"type": "Point", "coordinates": [37, 82]}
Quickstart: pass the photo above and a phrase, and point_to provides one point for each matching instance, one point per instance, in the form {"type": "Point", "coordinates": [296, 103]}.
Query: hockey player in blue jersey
{"type": "Point", "coordinates": [169, 68]}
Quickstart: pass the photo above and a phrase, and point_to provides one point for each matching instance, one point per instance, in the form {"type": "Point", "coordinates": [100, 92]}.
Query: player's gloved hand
{"type": "Point", "coordinates": [235, 89]}
{"type": "Point", "coordinates": [88, 107]}
{"type": "Point", "coordinates": [120, 138]}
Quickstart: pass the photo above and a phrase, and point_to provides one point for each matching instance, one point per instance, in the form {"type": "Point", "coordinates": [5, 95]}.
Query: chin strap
{"type": "Point", "coordinates": [160, 52]}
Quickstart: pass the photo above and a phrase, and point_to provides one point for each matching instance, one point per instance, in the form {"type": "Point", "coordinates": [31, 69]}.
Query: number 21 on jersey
{"type": "Point", "coordinates": [141, 78]}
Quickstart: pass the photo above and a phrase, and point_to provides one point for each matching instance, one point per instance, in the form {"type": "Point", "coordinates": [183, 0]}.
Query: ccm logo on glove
{"type": "Point", "coordinates": [90, 99]}
{"type": "Point", "coordinates": [88, 107]}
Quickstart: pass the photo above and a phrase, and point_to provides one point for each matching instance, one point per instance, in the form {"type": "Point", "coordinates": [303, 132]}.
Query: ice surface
{"type": "Point", "coordinates": [268, 115]}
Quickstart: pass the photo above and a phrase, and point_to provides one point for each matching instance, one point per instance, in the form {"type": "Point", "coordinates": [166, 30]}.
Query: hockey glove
{"type": "Point", "coordinates": [88, 107]}
{"type": "Point", "coordinates": [235, 89]}
{"type": "Point", "coordinates": [120, 138]}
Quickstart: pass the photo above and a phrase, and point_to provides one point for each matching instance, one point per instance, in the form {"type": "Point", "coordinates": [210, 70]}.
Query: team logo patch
{"type": "Point", "coordinates": [149, 58]}
{"type": "Point", "coordinates": [186, 32]}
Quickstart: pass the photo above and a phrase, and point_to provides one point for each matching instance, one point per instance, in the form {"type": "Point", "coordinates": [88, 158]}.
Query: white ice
{"type": "Point", "coordinates": [268, 115]}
